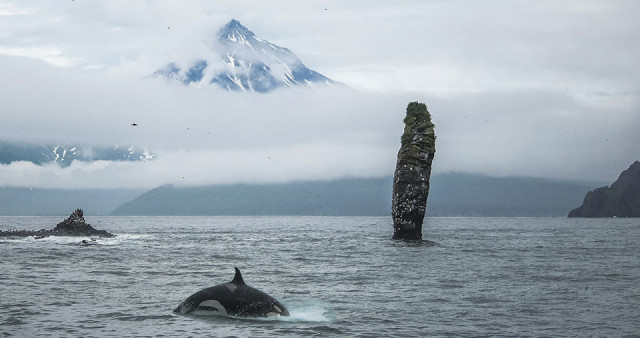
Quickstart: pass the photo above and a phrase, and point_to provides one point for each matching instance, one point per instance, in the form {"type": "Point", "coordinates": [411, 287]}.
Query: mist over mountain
{"type": "Point", "coordinates": [53, 202]}
{"type": "Point", "coordinates": [459, 194]}
{"type": "Point", "coordinates": [245, 62]}
{"type": "Point", "coordinates": [452, 194]}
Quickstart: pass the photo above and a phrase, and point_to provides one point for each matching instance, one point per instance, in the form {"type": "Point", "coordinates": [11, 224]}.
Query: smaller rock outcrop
{"type": "Point", "coordinates": [74, 225]}
{"type": "Point", "coordinates": [622, 199]}
{"type": "Point", "coordinates": [412, 174]}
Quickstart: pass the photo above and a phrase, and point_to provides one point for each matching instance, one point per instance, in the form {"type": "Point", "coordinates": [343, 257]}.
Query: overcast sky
{"type": "Point", "coordinates": [524, 88]}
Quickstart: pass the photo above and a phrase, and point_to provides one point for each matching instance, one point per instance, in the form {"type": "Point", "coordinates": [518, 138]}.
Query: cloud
{"type": "Point", "coordinates": [52, 55]}
{"type": "Point", "coordinates": [206, 135]}
{"type": "Point", "coordinates": [543, 89]}
{"type": "Point", "coordinates": [210, 136]}
{"type": "Point", "coordinates": [10, 10]}
{"type": "Point", "coordinates": [536, 133]}
{"type": "Point", "coordinates": [93, 107]}
{"type": "Point", "coordinates": [317, 161]}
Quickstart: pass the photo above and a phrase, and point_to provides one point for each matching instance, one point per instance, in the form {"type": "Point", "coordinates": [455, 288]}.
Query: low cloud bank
{"type": "Point", "coordinates": [203, 135]}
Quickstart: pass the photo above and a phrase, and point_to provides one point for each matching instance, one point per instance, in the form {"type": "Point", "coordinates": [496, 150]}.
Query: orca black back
{"type": "Point", "coordinates": [234, 298]}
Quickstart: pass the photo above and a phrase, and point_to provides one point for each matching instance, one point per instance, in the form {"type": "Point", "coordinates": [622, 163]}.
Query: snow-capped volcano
{"type": "Point", "coordinates": [244, 62]}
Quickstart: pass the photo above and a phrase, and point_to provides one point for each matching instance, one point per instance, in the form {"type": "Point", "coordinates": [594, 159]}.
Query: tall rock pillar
{"type": "Point", "coordinates": [413, 170]}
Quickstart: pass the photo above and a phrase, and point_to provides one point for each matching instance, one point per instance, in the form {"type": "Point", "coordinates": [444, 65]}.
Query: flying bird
{"type": "Point", "coordinates": [134, 124]}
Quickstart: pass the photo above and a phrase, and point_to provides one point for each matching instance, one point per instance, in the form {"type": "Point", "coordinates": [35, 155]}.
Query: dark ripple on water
{"type": "Point", "coordinates": [339, 276]}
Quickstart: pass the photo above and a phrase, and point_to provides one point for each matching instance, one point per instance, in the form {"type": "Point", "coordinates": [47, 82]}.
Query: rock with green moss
{"type": "Point", "coordinates": [413, 170]}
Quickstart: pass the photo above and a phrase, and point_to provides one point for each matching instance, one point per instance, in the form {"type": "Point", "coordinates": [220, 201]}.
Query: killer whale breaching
{"type": "Point", "coordinates": [234, 298]}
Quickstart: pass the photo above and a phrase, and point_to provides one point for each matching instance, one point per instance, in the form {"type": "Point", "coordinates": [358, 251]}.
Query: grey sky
{"type": "Point", "coordinates": [531, 88]}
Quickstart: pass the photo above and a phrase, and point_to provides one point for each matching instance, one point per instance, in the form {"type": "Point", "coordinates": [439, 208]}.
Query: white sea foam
{"type": "Point", "coordinates": [59, 239]}
{"type": "Point", "coordinates": [308, 314]}
{"type": "Point", "coordinates": [68, 240]}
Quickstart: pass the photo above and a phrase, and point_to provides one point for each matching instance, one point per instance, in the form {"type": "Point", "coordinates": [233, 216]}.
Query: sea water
{"type": "Point", "coordinates": [338, 276]}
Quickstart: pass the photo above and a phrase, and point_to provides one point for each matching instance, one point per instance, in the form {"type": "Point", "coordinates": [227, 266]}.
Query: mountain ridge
{"type": "Point", "coordinates": [19, 201]}
{"type": "Point", "coordinates": [452, 194]}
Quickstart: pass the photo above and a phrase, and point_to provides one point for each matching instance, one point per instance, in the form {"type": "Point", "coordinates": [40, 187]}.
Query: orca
{"type": "Point", "coordinates": [232, 299]}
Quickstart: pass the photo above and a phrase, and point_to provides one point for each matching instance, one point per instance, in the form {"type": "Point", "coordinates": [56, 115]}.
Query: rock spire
{"type": "Point", "coordinates": [413, 170]}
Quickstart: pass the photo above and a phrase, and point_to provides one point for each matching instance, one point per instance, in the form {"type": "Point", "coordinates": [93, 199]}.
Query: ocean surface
{"type": "Point", "coordinates": [338, 276]}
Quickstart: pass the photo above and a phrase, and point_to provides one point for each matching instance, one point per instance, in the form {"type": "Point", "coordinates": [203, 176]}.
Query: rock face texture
{"type": "Point", "coordinates": [74, 225]}
{"type": "Point", "coordinates": [413, 170]}
{"type": "Point", "coordinates": [622, 199]}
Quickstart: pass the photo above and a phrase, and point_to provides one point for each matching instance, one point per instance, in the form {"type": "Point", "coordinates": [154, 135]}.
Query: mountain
{"type": "Point", "coordinates": [452, 194]}
{"type": "Point", "coordinates": [16, 201]}
{"type": "Point", "coordinates": [64, 155]}
{"type": "Point", "coordinates": [458, 194]}
{"type": "Point", "coordinates": [245, 62]}
{"type": "Point", "coordinates": [345, 197]}
{"type": "Point", "coordinates": [622, 199]}
{"type": "Point", "coordinates": [37, 201]}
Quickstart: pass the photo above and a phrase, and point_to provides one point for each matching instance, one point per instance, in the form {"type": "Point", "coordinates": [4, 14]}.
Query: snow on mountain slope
{"type": "Point", "coordinates": [65, 154]}
{"type": "Point", "coordinates": [246, 62]}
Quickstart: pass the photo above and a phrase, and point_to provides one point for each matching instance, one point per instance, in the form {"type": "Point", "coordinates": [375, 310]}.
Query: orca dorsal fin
{"type": "Point", "coordinates": [237, 279]}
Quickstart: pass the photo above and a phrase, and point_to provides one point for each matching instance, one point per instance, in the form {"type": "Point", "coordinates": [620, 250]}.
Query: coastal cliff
{"type": "Point", "coordinates": [412, 173]}
{"type": "Point", "coordinates": [622, 199]}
